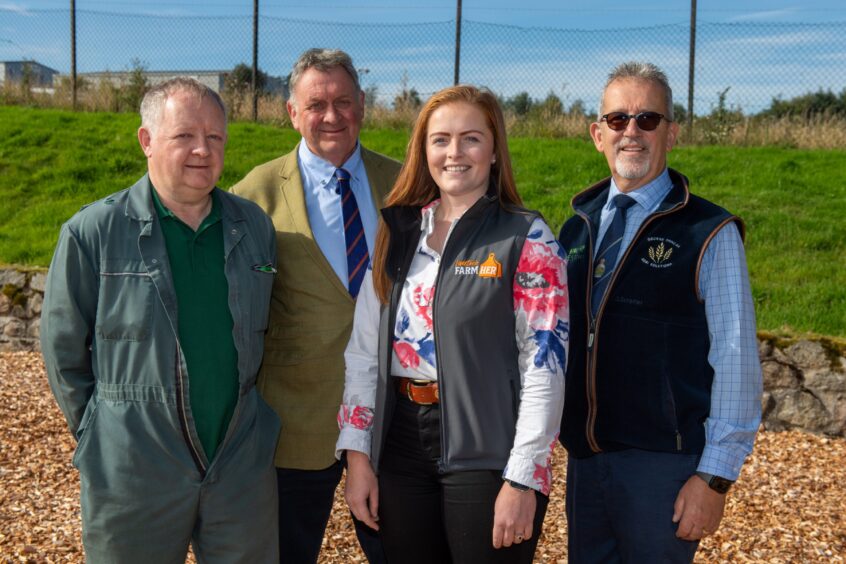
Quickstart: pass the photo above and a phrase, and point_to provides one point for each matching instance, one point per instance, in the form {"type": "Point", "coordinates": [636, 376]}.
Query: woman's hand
{"type": "Point", "coordinates": [362, 489]}
{"type": "Point", "coordinates": [514, 514]}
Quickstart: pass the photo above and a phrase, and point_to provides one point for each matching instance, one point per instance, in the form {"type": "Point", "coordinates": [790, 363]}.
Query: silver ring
{"type": "Point", "coordinates": [519, 538]}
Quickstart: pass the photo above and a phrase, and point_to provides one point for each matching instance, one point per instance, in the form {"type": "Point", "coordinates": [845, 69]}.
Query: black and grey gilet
{"type": "Point", "coordinates": [474, 331]}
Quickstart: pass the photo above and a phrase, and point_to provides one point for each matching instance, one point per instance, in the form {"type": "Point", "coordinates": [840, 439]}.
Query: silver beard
{"type": "Point", "coordinates": [628, 167]}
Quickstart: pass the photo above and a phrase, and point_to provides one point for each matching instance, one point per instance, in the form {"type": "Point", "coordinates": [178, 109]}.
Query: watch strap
{"type": "Point", "coordinates": [716, 483]}
{"type": "Point", "coordinates": [518, 486]}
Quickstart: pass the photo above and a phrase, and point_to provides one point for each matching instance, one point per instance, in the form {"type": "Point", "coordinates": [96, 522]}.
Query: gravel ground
{"type": "Point", "coordinates": [788, 506]}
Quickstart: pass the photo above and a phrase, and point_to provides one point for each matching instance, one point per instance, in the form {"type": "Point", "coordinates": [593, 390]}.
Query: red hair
{"type": "Point", "coordinates": [415, 186]}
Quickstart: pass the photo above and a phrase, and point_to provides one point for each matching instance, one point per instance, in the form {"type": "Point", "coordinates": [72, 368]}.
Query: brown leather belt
{"type": "Point", "coordinates": [422, 392]}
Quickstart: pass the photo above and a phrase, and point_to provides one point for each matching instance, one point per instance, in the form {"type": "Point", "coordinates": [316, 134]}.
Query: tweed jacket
{"type": "Point", "coordinates": [302, 377]}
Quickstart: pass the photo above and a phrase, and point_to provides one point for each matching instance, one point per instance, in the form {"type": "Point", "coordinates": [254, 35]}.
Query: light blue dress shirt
{"type": "Point", "coordinates": [724, 285]}
{"type": "Point", "coordinates": [323, 204]}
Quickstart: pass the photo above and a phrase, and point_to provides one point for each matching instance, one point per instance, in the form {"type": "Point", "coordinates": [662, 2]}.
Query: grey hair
{"type": "Point", "coordinates": [640, 71]}
{"type": "Point", "coordinates": [156, 98]}
{"type": "Point", "coordinates": [323, 60]}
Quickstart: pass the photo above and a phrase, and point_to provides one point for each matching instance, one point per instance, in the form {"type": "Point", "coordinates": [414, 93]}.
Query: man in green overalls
{"type": "Point", "coordinates": [152, 333]}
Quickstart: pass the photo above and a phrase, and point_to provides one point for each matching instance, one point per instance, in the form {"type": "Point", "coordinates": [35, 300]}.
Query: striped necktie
{"type": "Point", "coordinates": [357, 256]}
{"type": "Point", "coordinates": [606, 258]}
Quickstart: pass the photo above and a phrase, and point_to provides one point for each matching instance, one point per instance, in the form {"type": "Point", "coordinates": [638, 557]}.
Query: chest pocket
{"type": "Point", "coordinates": [125, 307]}
{"type": "Point", "coordinates": [259, 285]}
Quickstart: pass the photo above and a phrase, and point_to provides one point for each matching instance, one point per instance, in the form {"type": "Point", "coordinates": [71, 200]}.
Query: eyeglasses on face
{"type": "Point", "coordinates": [646, 121]}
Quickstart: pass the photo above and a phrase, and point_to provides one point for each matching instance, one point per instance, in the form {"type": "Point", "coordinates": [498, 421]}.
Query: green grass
{"type": "Point", "coordinates": [793, 201]}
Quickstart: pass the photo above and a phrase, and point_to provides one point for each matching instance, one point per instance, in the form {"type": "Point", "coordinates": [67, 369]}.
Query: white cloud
{"type": "Point", "coordinates": [764, 15]}
{"type": "Point", "coordinates": [837, 57]}
{"type": "Point", "coordinates": [424, 50]}
{"type": "Point", "coordinates": [169, 13]}
{"type": "Point", "coordinates": [16, 8]}
{"type": "Point", "coordinates": [776, 40]}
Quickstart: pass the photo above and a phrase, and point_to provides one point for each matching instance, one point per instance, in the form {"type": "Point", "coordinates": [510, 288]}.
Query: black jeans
{"type": "Point", "coordinates": [305, 502]}
{"type": "Point", "coordinates": [429, 517]}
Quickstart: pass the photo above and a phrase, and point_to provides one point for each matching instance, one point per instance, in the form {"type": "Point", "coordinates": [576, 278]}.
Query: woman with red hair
{"type": "Point", "coordinates": [455, 368]}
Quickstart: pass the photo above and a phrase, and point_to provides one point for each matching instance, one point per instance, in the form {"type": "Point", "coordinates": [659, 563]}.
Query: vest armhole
{"type": "Point", "coordinates": [740, 227]}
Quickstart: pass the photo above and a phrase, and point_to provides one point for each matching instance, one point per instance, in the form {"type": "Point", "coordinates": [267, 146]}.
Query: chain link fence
{"type": "Point", "coordinates": [747, 65]}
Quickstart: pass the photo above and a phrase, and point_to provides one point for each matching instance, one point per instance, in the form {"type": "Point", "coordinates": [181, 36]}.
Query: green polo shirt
{"type": "Point", "coordinates": [205, 322]}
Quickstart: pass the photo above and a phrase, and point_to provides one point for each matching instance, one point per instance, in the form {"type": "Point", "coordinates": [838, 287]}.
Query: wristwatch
{"type": "Point", "coordinates": [716, 483]}
{"type": "Point", "coordinates": [518, 486]}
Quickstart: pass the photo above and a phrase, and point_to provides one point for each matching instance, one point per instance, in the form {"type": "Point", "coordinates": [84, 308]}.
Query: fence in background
{"type": "Point", "coordinates": [749, 63]}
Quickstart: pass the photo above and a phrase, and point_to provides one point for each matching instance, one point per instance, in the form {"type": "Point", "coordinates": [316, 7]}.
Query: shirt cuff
{"type": "Point", "coordinates": [721, 461]}
{"type": "Point", "coordinates": [356, 425]}
{"type": "Point", "coordinates": [529, 473]}
{"type": "Point", "coordinates": [351, 438]}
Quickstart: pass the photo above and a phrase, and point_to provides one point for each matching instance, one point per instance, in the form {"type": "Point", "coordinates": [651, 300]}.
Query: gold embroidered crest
{"type": "Point", "coordinates": [660, 254]}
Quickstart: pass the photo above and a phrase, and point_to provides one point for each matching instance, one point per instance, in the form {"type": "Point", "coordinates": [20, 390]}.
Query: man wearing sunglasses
{"type": "Point", "coordinates": [663, 386]}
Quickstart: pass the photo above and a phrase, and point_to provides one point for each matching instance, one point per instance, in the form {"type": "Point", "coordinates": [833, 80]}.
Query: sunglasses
{"type": "Point", "coordinates": [646, 121]}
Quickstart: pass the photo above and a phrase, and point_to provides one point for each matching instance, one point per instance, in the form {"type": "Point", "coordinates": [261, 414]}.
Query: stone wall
{"type": "Point", "coordinates": [804, 385]}
{"type": "Point", "coordinates": [20, 308]}
{"type": "Point", "coordinates": [804, 381]}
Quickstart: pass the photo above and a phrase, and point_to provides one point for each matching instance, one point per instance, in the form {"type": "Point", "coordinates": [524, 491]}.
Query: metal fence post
{"type": "Point", "coordinates": [457, 40]}
{"type": "Point", "coordinates": [73, 52]}
{"type": "Point", "coordinates": [255, 58]}
{"type": "Point", "coordinates": [691, 71]}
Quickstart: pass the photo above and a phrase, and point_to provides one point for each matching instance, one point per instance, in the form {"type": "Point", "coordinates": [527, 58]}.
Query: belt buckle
{"type": "Point", "coordinates": [411, 383]}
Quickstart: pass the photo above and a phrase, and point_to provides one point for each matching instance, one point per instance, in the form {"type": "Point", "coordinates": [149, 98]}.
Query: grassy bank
{"type": "Point", "coordinates": [793, 126]}
{"type": "Point", "coordinates": [793, 201]}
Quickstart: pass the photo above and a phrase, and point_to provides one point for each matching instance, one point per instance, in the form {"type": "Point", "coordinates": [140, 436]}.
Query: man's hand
{"type": "Point", "coordinates": [362, 489]}
{"type": "Point", "coordinates": [514, 514]}
{"type": "Point", "coordinates": [698, 510]}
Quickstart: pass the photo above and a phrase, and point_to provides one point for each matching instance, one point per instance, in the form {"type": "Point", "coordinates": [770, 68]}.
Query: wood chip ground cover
{"type": "Point", "coordinates": [788, 506]}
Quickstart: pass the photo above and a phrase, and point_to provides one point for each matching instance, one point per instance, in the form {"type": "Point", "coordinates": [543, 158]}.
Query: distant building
{"type": "Point", "coordinates": [214, 79]}
{"type": "Point", "coordinates": [14, 72]}
{"type": "Point", "coordinates": [278, 85]}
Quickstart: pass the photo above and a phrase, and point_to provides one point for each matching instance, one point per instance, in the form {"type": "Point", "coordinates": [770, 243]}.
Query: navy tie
{"type": "Point", "coordinates": [357, 255]}
{"type": "Point", "coordinates": [606, 258]}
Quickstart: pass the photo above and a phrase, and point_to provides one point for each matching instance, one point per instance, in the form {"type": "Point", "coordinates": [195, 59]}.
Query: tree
{"type": "Point", "coordinates": [239, 83]}
{"type": "Point", "coordinates": [371, 95]}
{"type": "Point", "coordinates": [552, 104]}
{"type": "Point", "coordinates": [136, 86]}
{"type": "Point", "coordinates": [27, 77]}
{"type": "Point", "coordinates": [520, 103]}
{"type": "Point", "coordinates": [240, 79]}
{"type": "Point", "coordinates": [820, 103]}
{"type": "Point", "coordinates": [679, 113]}
{"type": "Point", "coordinates": [722, 121]}
{"type": "Point", "coordinates": [578, 108]}
{"type": "Point", "coordinates": [408, 98]}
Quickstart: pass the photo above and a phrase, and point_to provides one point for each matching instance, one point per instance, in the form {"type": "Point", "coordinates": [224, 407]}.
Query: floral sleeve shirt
{"type": "Point", "coordinates": [541, 311]}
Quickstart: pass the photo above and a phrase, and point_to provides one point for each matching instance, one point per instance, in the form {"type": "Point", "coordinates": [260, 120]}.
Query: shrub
{"type": "Point", "coordinates": [808, 106]}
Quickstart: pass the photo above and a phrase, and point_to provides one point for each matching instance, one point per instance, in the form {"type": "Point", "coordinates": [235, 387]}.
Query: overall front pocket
{"type": "Point", "coordinates": [125, 307]}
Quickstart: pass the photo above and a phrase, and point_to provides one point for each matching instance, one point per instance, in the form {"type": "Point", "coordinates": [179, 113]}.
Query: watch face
{"type": "Point", "coordinates": [720, 485]}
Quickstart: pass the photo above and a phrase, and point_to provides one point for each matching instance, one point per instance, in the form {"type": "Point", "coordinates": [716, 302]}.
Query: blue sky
{"type": "Point", "coordinates": [583, 14]}
{"type": "Point", "coordinates": [754, 48]}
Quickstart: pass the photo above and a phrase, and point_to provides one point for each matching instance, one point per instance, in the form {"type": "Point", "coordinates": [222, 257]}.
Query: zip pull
{"type": "Point", "coordinates": [591, 333]}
